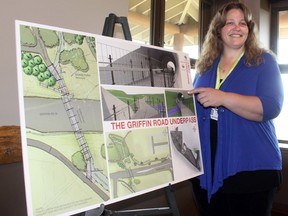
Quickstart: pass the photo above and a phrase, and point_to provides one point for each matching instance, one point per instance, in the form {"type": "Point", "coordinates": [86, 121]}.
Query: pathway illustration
{"type": "Point", "coordinates": [91, 172]}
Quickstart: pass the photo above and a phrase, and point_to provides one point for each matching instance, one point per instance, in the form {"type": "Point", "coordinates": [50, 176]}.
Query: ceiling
{"type": "Point", "coordinates": [181, 21]}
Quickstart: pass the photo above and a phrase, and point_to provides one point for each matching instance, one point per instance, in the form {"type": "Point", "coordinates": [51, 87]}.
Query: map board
{"type": "Point", "coordinates": [102, 119]}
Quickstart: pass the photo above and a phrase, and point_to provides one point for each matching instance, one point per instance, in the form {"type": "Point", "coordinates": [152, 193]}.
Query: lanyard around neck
{"type": "Point", "coordinates": [220, 81]}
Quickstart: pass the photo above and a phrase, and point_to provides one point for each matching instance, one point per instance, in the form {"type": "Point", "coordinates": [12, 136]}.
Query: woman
{"type": "Point", "coordinates": [239, 92]}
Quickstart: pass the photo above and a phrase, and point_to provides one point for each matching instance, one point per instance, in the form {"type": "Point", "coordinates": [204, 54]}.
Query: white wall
{"type": "Point", "coordinates": [85, 15]}
{"type": "Point", "coordinates": [261, 15]}
{"type": "Point", "coordinates": [254, 6]}
{"type": "Point", "coordinates": [264, 28]}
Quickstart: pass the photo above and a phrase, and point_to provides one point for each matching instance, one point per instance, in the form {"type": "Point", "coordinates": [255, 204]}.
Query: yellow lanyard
{"type": "Point", "coordinates": [218, 80]}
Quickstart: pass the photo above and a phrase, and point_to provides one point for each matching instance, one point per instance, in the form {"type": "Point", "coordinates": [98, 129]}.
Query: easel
{"type": "Point", "coordinates": [109, 26]}
{"type": "Point", "coordinates": [172, 208]}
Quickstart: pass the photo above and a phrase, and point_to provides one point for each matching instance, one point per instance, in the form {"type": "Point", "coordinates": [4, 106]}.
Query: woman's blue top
{"type": "Point", "coordinates": [242, 145]}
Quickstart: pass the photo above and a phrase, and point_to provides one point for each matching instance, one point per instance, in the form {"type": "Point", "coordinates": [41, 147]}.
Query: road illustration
{"type": "Point", "coordinates": [145, 110]}
{"type": "Point", "coordinates": [121, 150]}
{"type": "Point", "coordinates": [68, 163]}
{"type": "Point", "coordinates": [120, 105]}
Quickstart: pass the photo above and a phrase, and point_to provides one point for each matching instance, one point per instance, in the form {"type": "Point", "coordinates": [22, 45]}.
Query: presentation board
{"type": "Point", "coordinates": [102, 119]}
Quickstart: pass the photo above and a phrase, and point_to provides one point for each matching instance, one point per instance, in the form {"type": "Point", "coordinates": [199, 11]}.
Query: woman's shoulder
{"type": "Point", "coordinates": [268, 55]}
{"type": "Point", "coordinates": [268, 63]}
{"type": "Point", "coordinates": [262, 58]}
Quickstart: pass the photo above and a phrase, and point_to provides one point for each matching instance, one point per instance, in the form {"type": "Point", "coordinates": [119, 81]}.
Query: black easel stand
{"type": "Point", "coordinates": [171, 209]}
{"type": "Point", "coordinates": [109, 26]}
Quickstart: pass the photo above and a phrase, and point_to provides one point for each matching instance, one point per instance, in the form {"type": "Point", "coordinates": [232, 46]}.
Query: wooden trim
{"type": "Point", "coordinates": [10, 144]}
{"type": "Point", "coordinates": [276, 7]}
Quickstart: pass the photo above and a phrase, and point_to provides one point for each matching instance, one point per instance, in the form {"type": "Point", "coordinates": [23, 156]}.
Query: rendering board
{"type": "Point", "coordinates": [102, 119]}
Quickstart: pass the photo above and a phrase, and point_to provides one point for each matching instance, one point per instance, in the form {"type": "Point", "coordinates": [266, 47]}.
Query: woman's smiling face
{"type": "Point", "coordinates": [235, 31]}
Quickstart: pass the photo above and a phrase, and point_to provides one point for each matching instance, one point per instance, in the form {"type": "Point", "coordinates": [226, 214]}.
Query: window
{"type": "Point", "coordinates": [181, 26]}
{"type": "Point", "coordinates": [282, 37]}
{"type": "Point", "coordinates": [281, 122]}
{"type": "Point", "coordinates": [139, 20]}
{"type": "Point", "coordinates": [279, 44]}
